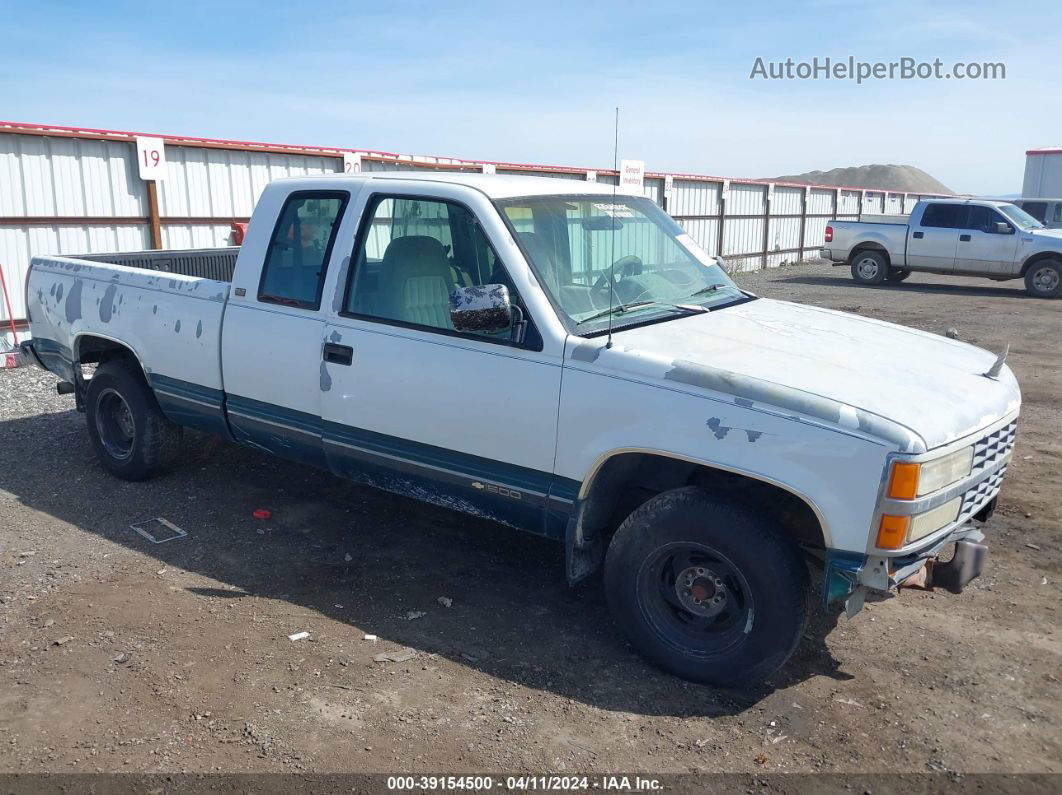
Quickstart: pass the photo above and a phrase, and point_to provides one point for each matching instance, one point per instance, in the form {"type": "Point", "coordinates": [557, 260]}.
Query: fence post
{"type": "Point", "coordinates": [766, 221]}
{"type": "Point", "coordinates": [724, 189]}
{"type": "Point", "coordinates": [803, 220]}
{"type": "Point", "coordinates": [153, 214]}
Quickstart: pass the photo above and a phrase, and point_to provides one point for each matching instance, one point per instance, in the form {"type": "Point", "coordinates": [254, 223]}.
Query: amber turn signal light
{"type": "Point", "coordinates": [893, 531]}
{"type": "Point", "coordinates": [903, 483]}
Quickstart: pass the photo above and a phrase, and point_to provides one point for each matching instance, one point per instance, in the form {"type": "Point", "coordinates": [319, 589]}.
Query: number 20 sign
{"type": "Point", "coordinates": [151, 158]}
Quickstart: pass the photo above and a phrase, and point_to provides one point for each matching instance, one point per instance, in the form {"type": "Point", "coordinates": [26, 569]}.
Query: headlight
{"type": "Point", "coordinates": [909, 480]}
{"type": "Point", "coordinates": [896, 531]}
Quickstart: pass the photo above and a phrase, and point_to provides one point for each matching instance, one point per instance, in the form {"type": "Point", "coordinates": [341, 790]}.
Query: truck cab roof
{"type": "Point", "coordinates": [494, 186]}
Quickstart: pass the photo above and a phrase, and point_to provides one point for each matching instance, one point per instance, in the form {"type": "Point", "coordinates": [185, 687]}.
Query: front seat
{"type": "Point", "coordinates": [416, 281]}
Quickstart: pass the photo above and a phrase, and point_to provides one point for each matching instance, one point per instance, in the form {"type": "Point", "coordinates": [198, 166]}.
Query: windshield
{"type": "Point", "coordinates": [1020, 217]}
{"type": "Point", "coordinates": [577, 244]}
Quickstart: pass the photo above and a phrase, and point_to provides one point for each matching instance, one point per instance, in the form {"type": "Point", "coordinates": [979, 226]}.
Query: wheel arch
{"type": "Point", "coordinates": [869, 245]}
{"type": "Point", "coordinates": [1039, 256]}
{"type": "Point", "coordinates": [621, 480]}
{"type": "Point", "coordinates": [91, 347]}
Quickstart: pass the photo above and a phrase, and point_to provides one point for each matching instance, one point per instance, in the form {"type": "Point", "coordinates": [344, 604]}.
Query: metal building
{"type": "Point", "coordinates": [1043, 173]}
{"type": "Point", "coordinates": [67, 190]}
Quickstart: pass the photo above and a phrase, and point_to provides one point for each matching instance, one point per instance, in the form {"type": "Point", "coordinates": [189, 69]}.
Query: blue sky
{"type": "Point", "coordinates": [537, 82]}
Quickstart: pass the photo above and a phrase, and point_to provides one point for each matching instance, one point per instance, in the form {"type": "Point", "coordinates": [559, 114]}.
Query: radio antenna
{"type": "Point", "coordinates": [612, 252]}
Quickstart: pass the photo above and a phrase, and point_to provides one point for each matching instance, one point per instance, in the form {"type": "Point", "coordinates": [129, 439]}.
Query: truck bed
{"type": "Point", "coordinates": [166, 307]}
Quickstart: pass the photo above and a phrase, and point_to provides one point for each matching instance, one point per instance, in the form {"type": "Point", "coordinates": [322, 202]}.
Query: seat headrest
{"type": "Point", "coordinates": [417, 255]}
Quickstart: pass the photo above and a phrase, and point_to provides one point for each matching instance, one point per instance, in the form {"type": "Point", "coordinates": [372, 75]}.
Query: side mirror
{"type": "Point", "coordinates": [483, 309]}
{"type": "Point", "coordinates": [1003, 228]}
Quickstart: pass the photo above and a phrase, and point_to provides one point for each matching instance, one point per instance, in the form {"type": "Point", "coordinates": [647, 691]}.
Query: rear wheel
{"type": "Point", "coordinates": [130, 434]}
{"type": "Point", "coordinates": [897, 274]}
{"type": "Point", "coordinates": [869, 267]}
{"type": "Point", "coordinates": [705, 589]}
{"type": "Point", "coordinates": [1044, 279]}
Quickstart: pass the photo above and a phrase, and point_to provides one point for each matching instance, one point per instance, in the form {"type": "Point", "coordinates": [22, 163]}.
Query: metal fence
{"type": "Point", "coordinates": [70, 190]}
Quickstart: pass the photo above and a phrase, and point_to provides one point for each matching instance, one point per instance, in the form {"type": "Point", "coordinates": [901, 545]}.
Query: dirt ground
{"type": "Point", "coordinates": [121, 655]}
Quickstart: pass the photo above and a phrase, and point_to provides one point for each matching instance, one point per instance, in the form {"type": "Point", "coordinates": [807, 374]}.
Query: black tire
{"type": "Point", "coordinates": [743, 612]}
{"type": "Point", "coordinates": [897, 274]}
{"type": "Point", "coordinates": [130, 434]}
{"type": "Point", "coordinates": [1044, 279]}
{"type": "Point", "coordinates": [869, 267]}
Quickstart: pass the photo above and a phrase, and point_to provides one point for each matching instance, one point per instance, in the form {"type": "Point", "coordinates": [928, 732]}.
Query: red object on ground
{"type": "Point", "coordinates": [261, 513]}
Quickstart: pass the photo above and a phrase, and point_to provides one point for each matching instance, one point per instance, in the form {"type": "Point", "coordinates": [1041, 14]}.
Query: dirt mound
{"type": "Point", "coordinates": [908, 179]}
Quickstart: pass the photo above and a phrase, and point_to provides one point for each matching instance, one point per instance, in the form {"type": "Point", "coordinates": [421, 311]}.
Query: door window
{"type": "Point", "coordinates": [946, 216]}
{"type": "Point", "coordinates": [983, 219]}
{"type": "Point", "coordinates": [412, 253]}
{"type": "Point", "coordinates": [295, 263]}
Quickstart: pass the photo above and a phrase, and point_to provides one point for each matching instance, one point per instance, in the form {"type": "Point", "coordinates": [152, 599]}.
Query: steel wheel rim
{"type": "Point", "coordinates": [867, 267]}
{"type": "Point", "coordinates": [696, 599]}
{"type": "Point", "coordinates": [115, 425]}
{"type": "Point", "coordinates": [1045, 280]}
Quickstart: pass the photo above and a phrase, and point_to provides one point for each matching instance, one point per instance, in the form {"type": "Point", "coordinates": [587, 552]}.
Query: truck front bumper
{"type": "Point", "coordinates": [850, 577]}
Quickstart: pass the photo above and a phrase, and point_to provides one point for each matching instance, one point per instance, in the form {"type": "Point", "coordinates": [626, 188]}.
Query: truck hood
{"type": "Point", "coordinates": [910, 387]}
{"type": "Point", "coordinates": [1051, 234]}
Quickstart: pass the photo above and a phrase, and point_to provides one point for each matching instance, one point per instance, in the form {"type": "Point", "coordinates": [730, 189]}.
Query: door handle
{"type": "Point", "coordinates": [919, 235]}
{"type": "Point", "coordinates": [964, 238]}
{"type": "Point", "coordinates": [338, 354]}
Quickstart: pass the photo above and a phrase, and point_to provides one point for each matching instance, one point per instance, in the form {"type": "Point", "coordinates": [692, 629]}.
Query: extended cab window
{"type": "Point", "coordinates": [412, 253]}
{"type": "Point", "coordinates": [302, 241]}
{"type": "Point", "coordinates": [947, 216]}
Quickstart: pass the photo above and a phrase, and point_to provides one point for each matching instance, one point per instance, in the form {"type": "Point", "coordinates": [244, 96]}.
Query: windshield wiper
{"type": "Point", "coordinates": [619, 309]}
{"type": "Point", "coordinates": [711, 288]}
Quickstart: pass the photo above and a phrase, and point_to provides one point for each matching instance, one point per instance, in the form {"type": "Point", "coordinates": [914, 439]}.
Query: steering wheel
{"type": "Point", "coordinates": [631, 265]}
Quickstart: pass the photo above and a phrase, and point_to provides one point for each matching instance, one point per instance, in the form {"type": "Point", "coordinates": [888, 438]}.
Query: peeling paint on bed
{"type": "Point", "coordinates": [73, 302]}
{"type": "Point", "coordinates": [107, 305]}
{"type": "Point", "coordinates": [326, 379]}
{"type": "Point", "coordinates": [199, 329]}
{"type": "Point", "coordinates": [177, 327]}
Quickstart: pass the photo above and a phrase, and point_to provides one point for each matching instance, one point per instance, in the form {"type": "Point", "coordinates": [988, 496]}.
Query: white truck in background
{"type": "Point", "coordinates": [563, 359]}
{"type": "Point", "coordinates": [967, 237]}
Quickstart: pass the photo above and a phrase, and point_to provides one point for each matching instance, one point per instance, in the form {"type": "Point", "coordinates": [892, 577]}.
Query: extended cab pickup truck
{"type": "Point", "coordinates": [565, 360]}
{"type": "Point", "coordinates": [968, 237]}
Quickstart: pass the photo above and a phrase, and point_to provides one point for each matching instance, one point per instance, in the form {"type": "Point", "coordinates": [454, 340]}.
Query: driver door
{"type": "Point", "coordinates": [413, 406]}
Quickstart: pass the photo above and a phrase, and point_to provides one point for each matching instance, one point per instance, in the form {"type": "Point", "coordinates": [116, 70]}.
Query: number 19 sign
{"type": "Point", "coordinates": [151, 158]}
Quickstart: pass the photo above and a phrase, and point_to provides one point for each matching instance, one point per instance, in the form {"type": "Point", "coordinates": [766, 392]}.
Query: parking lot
{"type": "Point", "coordinates": [117, 654]}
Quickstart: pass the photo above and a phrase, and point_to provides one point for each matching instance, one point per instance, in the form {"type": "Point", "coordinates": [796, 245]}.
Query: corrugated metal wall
{"type": "Point", "coordinates": [1043, 174]}
{"type": "Point", "coordinates": [64, 191]}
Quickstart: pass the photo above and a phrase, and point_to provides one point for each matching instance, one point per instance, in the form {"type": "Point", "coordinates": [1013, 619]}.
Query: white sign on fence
{"type": "Point", "coordinates": [351, 163]}
{"type": "Point", "coordinates": [490, 168]}
{"type": "Point", "coordinates": [151, 158]}
{"type": "Point", "coordinates": [591, 176]}
{"type": "Point", "coordinates": [632, 175]}
{"type": "Point", "coordinates": [669, 186]}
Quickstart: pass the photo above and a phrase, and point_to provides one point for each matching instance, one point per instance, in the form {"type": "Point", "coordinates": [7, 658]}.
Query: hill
{"type": "Point", "coordinates": [908, 179]}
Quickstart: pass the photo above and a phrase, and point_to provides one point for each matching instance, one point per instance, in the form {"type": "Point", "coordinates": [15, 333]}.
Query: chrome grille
{"type": "Point", "coordinates": [979, 496]}
{"type": "Point", "coordinates": [994, 446]}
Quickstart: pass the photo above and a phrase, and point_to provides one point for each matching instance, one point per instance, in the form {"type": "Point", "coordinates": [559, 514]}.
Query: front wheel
{"type": "Point", "coordinates": [869, 267]}
{"type": "Point", "coordinates": [130, 434]}
{"type": "Point", "coordinates": [1044, 279]}
{"type": "Point", "coordinates": [705, 589]}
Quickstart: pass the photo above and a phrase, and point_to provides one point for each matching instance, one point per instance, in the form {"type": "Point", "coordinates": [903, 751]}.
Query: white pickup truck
{"type": "Point", "coordinates": [967, 237]}
{"type": "Point", "coordinates": [564, 360]}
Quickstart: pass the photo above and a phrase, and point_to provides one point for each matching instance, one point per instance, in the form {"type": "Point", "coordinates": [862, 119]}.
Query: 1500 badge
{"type": "Point", "coordinates": [491, 488]}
